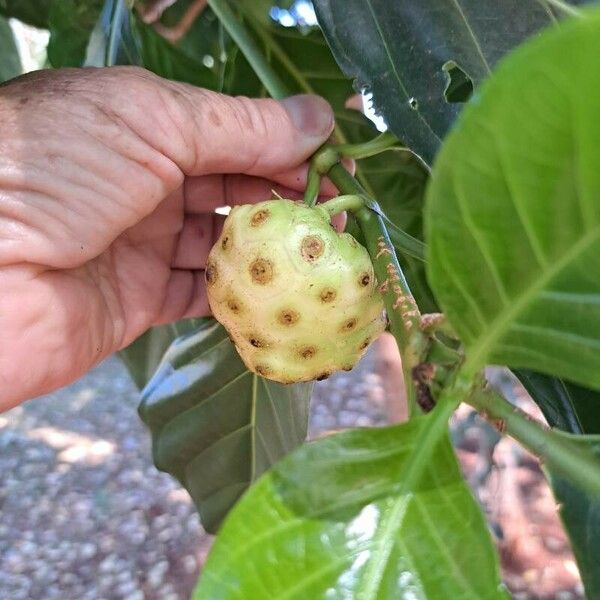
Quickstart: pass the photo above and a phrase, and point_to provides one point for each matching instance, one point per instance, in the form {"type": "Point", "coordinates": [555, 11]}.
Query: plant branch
{"type": "Point", "coordinates": [384, 141]}
{"type": "Point", "coordinates": [339, 204]}
{"type": "Point", "coordinates": [402, 311]}
{"type": "Point", "coordinates": [561, 454]}
{"type": "Point", "coordinates": [313, 185]}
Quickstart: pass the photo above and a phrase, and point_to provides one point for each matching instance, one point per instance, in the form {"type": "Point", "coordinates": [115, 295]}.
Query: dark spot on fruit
{"type": "Point", "coordinates": [307, 352]}
{"type": "Point", "coordinates": [259, 217]}
{"type": "Point", "coordinates": [226, 242]}
{"type": "Point", "coordinates": [262, 370]}
{"type": "Point", "coordinates": [364, 279]}
{"type": "Point", "coordinates": [365, 344]}
{"type": "Point", "coordinates": [323, 376]}
{"type": "Point", "coordinates": [210, 273]}
{"type": "Point", "coordinates": [327, 294]}
{"type": "Point", "coordinates": [312, 247]}
{"type": "Point", "coordinates": [261, 271]}
{"type": "Point", "coordinates": [348, 367]}
{"type": "Point", "coordinates": [288, 316]}
{"type": "Point", "coordinates": [257, 342]}
{"type": "Point", "coordinates": [350, 324]}
{"type": "Point", "coordinates": [233, 305]}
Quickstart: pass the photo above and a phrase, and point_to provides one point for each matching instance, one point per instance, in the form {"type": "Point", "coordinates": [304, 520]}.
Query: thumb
{"type": "Point", "coordinates": [254, 136]}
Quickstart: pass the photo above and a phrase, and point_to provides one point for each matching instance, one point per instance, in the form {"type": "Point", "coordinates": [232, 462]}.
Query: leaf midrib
{"type": "Point", "coordinates": [478, 353]}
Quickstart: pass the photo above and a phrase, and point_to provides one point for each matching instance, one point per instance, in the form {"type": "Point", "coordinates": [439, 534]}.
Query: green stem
{"type": "Point", "coordinates": [405, 242]}
{"type": "Point", "coordinates": [313, 185]}
{"type": "Point", "coordinates": [276, 88]}
{"type": "Point", "coordinates": [401, 308]}
{"type": "Point", "coordinates": [562, 455]}
{"type": "Point", "coordinates": [349, 202]}
{"type": "Point", "coordinates": [377, 145]}
{"type": "Point", "coordinates": [326, 163]}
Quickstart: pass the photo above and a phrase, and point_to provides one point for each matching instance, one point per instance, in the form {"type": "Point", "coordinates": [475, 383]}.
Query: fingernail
{"type": "Point", "coordinates": [310, 114]}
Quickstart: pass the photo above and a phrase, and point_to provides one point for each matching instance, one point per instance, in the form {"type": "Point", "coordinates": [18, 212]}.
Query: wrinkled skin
{"type": "Point", "coordinates": [108, 182]}
{"type": "Point", "coordinates": [298, 299]}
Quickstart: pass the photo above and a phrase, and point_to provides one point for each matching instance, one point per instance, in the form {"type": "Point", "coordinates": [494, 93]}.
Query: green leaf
{"type": "Point", "coordinates": [398, 51]}
{"type": "Point", "coordinates": [143, 356]}
{"type": "Point", "coordinates": [216, 426]}
{"type": "Point", "coordinates": [163, 58]}
{"type": "Point", "coordinates": [339, 519]}
{"type": "Point", "coordinates": [513, 218]}
{"type": "Point", "coordinates": [71, 23]}
{"type": "Point", "coordinates": [580, 513]}
{"type": "Point", "coordinates": [33, 12]}
{"type": "Point", "coordinates": [10, 62]}
{"type": "Point", "coordinates": [569, 407]}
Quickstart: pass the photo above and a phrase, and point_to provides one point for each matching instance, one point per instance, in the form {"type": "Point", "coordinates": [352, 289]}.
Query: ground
{"type": "Point", "coordinates": [85, 516]}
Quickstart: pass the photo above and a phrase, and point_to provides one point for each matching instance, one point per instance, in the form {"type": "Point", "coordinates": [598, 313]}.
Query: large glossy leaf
{"type": "Point", "coordinates": [215, 426]}
{"type": "Point", "coordinates": [513, 218]}
{"type": "Point", "coordinates": [71, 23]}
{"type": "Point", "coordinates": [567, 406]}
{"type": "Point", "coordinates": [580, 513]}
{"type": "Point", "coordinates": [33, 12]}
{"type": "Point", "coordinates": [143, 356]}
{"type": "Point", "coordinates": [339, 519]}
{"type": "Point", "coordinates": [163, 58]}
{"type": "Point", "coordinates": [398, 49]}
{"type": "Point", "coordinates": [10, 63]}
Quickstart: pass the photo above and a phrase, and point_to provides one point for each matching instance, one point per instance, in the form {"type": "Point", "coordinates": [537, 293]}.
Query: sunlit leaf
{"type": "Point", "coordinates": [513, 214]}
{"type": "Point", "coordinates": [338, 518]}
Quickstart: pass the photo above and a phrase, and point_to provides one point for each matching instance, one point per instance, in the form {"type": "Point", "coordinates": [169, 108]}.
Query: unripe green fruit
{"type": "Point", "coordinates": [298, 299]}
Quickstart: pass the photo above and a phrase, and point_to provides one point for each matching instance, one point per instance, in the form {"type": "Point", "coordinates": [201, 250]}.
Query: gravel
{"type": "Point", "coordinates": [83, 512]}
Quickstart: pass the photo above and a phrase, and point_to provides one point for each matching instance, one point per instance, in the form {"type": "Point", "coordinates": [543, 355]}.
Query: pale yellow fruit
{"type": "Point", "coordinates": [298, 299]}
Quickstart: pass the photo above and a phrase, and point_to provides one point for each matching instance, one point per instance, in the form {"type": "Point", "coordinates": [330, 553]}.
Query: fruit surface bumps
{"type": "Point", "coordinates": [298, 299]}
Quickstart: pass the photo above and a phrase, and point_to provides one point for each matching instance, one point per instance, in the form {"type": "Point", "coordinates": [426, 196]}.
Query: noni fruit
{"type": "Point", "coordinates": [298, 299]}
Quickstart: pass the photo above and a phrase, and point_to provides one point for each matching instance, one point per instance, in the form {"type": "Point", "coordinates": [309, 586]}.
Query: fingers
{"type": "Point", "coordinates": [197, 237]}
{"type": "Point", "coordinates": [204, 194]}
{"type": "Point", "coordinates": [185, 297]}
{"type": "Point", "coordinates": [222, 134]}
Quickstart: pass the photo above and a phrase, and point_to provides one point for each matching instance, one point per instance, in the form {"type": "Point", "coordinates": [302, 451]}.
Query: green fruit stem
{"type": "Point", "coordinates": [384, 141]}
{"type": "Point", "coordinates": [313, 185]}
{"type": "Point", "coordinates": [339, 204]}
{"type": "Point", "coordinates": [402, 310]}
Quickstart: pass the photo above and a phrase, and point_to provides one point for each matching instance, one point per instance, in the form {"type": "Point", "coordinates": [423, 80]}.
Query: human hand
{"type": "Point", "coordinates": [108, 183]}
